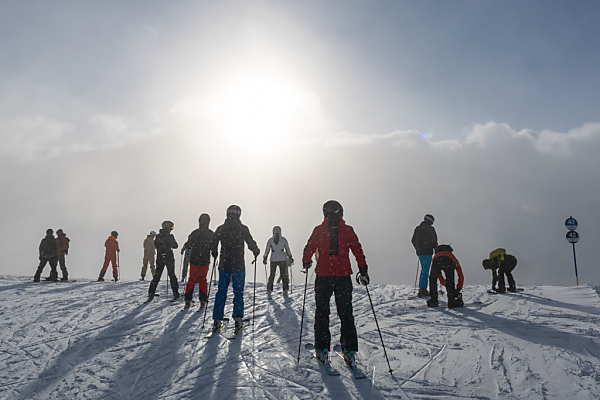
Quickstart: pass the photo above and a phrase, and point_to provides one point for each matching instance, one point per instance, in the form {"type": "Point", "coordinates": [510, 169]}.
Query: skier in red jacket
{"type": "Point", "coordinates": [333, 240]}
{"type": "Point", "coordinates": [112, 248]}
{"type": "Point", "coordinates": [444, 261]}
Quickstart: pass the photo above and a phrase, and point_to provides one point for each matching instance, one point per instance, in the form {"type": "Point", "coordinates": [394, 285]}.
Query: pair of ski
{"type": "Point", "coordinates": [215, 332]}
{"type": "Point", "coordinates": [507, 292]}
{"type": "Point", "coordinates": [337, 349]}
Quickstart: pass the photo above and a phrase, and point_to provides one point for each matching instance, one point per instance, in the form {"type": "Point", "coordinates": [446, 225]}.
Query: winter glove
{"type": "Point", "coordinates": [265, 260]}
{"type": "Point", "coordinates": [291, 261]}
{"type": "Point", "coordinates": [256, 253]}
{"type": "Point", "coordinates": [214, 255]}
{"type": "Point", "coordinates": [306, 266]}
{"type": "Point", "coordinates": [182, 250]}
{"type": "Point", "coordinates": [362, 278]}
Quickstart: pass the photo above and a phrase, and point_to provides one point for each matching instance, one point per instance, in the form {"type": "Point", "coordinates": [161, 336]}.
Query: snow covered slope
{"type": "Point", "coordinates": [89, 340]}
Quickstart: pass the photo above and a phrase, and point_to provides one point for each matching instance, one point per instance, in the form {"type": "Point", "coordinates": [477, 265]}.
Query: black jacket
{"type": "Point", "coordinates": [48, 247]}
{"type": "Point", "coordinates": [424, 239]}
{"type": "Point", "coordinates": [200, 245]}
{"type": "Point", "coordinates": [165, 243]}
{"type": "Point", "coordinates": [232, 235]}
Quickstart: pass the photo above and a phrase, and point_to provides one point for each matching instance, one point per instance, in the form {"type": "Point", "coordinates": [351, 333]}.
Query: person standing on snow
{"type": "Point", "coordinates": [149, 252]}
{"type": "Point", "coordinates": [333, 240]}
{"type": "Point", "coordinates": [280, 253]}
{"type": "Point", "coordinates": [424, 240]}
{"type": "Point", "coordinates": [112, 248]}
{"type": "Point", "coordinates": [200, 248]}
{"type": "Point", "coordinates": [48, 253]}
{"type": "Point", "coordinates": [501, 264]}
{"type": "Point", "coordinates": [445, 261]}
{"type": "Point", "coordinates": [63, 250]}
{"type": "Point", "coordinates": [232, 235]}
{"type": "Point", "coordinates": [165, 243]}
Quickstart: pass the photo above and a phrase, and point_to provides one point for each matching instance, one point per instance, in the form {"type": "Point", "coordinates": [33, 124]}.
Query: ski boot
{"type": "Point", "coordinates": [323, 356]}
{"type": "Point", "coordinates": [176, 296]}
{"type": "Point", "coordinates": [217, 325]}
{"type": "Point", "coordinates": [422, 293]}
{"type": "Point", "coordinates": [64, 278]}
{"type": "Point", "coordinates": [512, 289]}
{"type": "Point", "coordinates": [350, 358]}
{"type": "Point", "coordinates": [150, 297]}
{"type": "Point", "coordinates": [142, 278]}
{"type": "Point", "coordinates": [203, 303]}
{"type": "Point", "coordinates": [239, 324]}
{"type": "Point", "coordinates": [188, 304]}
{"type": "Point", "coordinates": [433, 302]}
{"type": "Point", "coordinates": [269, 293]}
{"type": "Point", "coordinates": [101, 277]}
{"type": "Point", "coordinates": [285, 294]}
{"type": "Point", "coordinates": [456, 301]}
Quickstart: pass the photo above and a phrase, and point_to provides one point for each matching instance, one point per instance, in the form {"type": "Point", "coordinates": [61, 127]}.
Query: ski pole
{"type": "Point", "coordinates": [254, 295]}
{"type": "Point", "coordinates": [181, 267]}
{"type": "Point", "coordinates": [416, 274]}
{"type": "Point", "coordinates": [302, 319]}
{"type": "Point", "coordinates": [118, 265]}
{"type": "Point", "coordinates": [379, 330]}
{"type": "Point", "coordinates": [208, 294]}
{"type": "Point", "coordinates": [167, 281]}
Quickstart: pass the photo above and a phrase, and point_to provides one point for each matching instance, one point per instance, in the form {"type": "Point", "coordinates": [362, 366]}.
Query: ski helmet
{"type": "Point", "coordinates": [152, 233]}
{"type": "Point", "coordinates": [59, 232]}
{"type": "Point", "coordinates": [429, 217]}
{"type": "Point", "coordinates": [444, 247]}
{"type": "Point", "coordinates": [168, 225]}
{"type": "Point", "coordinates": [49, 231]}
{"type": "Point", "coordinates": [204, 220]}
{"type": "Point", "coordinates": [234, 211]}
{"type": "Point", "coordinates": [333, 207]}
{"type": "Point", "coordinates": [276, 230]}
{"type": "Point", "coordinates": [114, 233]}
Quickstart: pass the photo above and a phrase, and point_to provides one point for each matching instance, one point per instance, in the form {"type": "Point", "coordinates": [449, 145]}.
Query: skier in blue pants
{"type": "Point", "coordinates": [232, 235]}
{"type": "Point", "coordinates": [424, 241]}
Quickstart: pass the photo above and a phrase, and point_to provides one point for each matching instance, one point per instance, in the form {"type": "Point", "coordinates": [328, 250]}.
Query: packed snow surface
{"type": "Point", "coordinates": [99, 340]}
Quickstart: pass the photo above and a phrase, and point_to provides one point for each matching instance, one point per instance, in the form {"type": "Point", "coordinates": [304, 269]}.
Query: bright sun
{"type": "Point", "coordinates": [260, 111]}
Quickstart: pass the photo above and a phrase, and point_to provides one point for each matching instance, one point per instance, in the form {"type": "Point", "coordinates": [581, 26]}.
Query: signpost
{"type": "Point", "coordinates": [573, 237]}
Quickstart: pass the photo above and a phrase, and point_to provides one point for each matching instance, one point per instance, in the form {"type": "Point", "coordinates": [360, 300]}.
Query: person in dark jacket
{"type": "Point", "coordinates": [165, 243]}
{"type": "Point", "coordinates": [63, 250]}
{"type": "Point", "coordinates": [48, 253]}
{"type": "Point", "coordinates": [445, 261]}
{"type": "Point", "coordinates": [200, 247]}
{"type": "Point", "coordinates": [332, 240]}
{"type": "Point", "coordinates": [501, 264]}
{"type": "Point", "coordinates": [232, 235]}
{"type": "Point", "coordinates": [424, 240]}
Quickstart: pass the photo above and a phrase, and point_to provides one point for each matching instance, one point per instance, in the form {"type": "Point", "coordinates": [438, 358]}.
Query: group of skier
{"type": "Point", "coordinates": [330, 243]}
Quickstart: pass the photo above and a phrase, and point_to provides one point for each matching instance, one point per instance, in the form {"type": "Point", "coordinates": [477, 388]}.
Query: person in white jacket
{"type": "Point", "coordinates": [280, 253]}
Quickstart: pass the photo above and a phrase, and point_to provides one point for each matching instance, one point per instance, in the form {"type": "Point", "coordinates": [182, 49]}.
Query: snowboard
{"type": "Point", "coordinates": [445, 305]}
{"type": "Point", "coordinates": [507, 292]}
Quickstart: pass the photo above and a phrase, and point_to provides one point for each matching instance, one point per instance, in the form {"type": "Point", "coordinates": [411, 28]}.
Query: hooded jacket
{"type": "Point", "coordinates": [201, 244]}
{"type": "Point", "coordinates": [63, 244]}
{"type": "Point", "coordinates": [339, 264]}
{"type": "Point", "coordinates": [149, 248]}
{"type": "Point", "coordinates": [424, 238]}
{"type": "Point", "coordinates": [48, 247]}
{"type": "Point", "coordinates": [112, 246]}
{"type": "Point", "coordinates": [232, 235]}
{"type": "Point", "coordinates": [165, 243]}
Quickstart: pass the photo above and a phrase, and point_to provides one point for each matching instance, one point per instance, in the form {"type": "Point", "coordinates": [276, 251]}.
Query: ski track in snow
{"type": "Point", "coordinates": [90, 340]}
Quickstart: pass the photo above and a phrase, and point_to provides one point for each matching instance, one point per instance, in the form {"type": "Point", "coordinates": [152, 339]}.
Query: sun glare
{"type": "Point", "coordinates": [259, 111]}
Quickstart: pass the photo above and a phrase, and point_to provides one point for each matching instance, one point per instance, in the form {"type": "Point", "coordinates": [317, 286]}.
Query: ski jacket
{"type": "Point", "coordinates": [280, 251]}
{"type": "Point", "coordinates": [450, 259]}
{"type": "Point", "coordinates": [149, 248]}
{"type": "Point", "coordinates": [201, 246]}
{"type": "Point", "coordinates": [329, 264]}
{"type": "Point", "coordinates": [504, 261]}
{"type": "Point", "coordinates": [63, 244]}
{"type": "Point", "coordinates": [424, 239]}
{"type": "Point", "coordinates": [165, 243]}
{"type": "Point", "coordinates": [112, 246]}
{"type": "Point", "coordinates": [48, 247]}
{"type": "Point", "coordinates": [232, 235]}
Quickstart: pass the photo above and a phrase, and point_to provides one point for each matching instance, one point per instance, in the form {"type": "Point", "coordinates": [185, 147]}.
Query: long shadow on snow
{"type": "Point", "coordinates": [531, 332]}
{"type": "Point", "coordinates": [81, 351]}
{"type": "Point", "coordinates": [148, 375]}
{"type": "Point", "coordinates": [559, 304]}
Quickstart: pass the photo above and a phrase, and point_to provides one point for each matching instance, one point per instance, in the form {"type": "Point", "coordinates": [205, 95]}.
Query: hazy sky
{"type": "Point", "coordinates": [118, 115]}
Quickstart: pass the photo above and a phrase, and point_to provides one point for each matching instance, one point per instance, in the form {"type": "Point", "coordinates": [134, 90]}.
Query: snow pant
{"type": "Point", "coordinates": [498, 277]}
{"type": "Point", "coordinates": [341, 288]}
{"type": "Point", "coordinates": [63, 266]}
{"type": "Point", "coordinates": [148, 260]}
{"type": "Point", "coordinates": [53, 272]}
{"type": "Point", "coordinates": [283, 271]}
{"type": "Point", "coordinates": [424, 277]}
{"type": "Point", "coordinates": [197, 274]}
{"type": "Point", "coordinates": [110, 258]}
{"type": "Point", "coordinates": [186, 263]}
{"type": "Point", "coordinates": [238, 280]}
{"type": "Point", "coordinates": [163, 261]}
{"type": "Point", "coordinates": [448, 270]}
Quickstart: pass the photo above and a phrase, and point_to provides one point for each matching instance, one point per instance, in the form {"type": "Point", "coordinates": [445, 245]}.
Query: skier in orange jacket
{"type": "Point", "coordinates": [112, 248]}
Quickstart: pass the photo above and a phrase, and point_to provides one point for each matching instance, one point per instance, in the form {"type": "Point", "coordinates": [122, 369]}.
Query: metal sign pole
{"type": "Point", "coordinates": [575, 260]}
